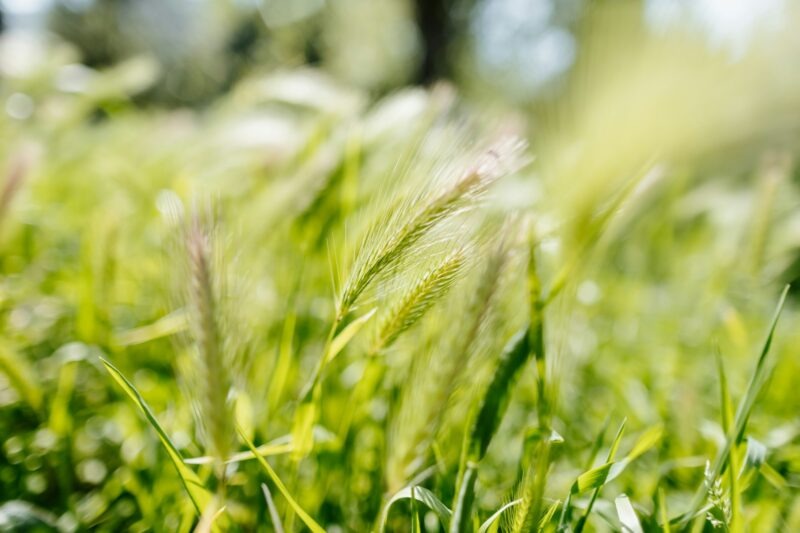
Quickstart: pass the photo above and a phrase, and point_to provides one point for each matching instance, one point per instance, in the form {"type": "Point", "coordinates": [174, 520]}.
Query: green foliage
{"type": "Point", "coordinates": [307, 520]}
{"type": "Point", "coordinates": [199, 495]}
{"type": "Point", "coordinates": [421, 495]}
{"type": "Point", "coordinates": [491, 408]}
{"type": "Point", "coordinates": [349, 307]}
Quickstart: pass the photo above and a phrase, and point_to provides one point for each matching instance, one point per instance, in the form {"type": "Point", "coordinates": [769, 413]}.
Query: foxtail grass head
{"type": "Point", "coordinates": [388, 244]}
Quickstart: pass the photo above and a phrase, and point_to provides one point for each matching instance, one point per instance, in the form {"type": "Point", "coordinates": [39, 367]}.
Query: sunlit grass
{"type": "Point", "coordinates": [405, 320]}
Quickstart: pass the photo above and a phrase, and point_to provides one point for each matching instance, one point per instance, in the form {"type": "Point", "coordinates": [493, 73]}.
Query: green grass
{"type": "Point", "coordinates": [382, 326]}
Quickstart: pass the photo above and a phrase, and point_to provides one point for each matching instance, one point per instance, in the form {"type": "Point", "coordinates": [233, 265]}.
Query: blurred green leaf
{"type": "Point", "coordinates": [200, 496]}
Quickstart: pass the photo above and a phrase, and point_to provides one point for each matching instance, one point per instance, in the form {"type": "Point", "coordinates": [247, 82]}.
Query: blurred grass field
{"type": "Point", "coordinates": [420, 308]}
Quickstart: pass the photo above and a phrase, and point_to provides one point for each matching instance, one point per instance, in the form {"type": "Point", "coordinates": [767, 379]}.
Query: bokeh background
{"type": "Point", "coordinates": [509, 50]}
{"type": "Point", "coordinates": [294, 116]}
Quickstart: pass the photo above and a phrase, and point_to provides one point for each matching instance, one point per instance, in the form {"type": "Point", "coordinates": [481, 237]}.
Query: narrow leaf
{"type": "Point", "coordinates": [497, 514]}
{"type": "Point", "coordinates": [592, 479]}
{"type": "Point", "coordinates": [610, 471]}
{"type": "Point", "coordinates": [170, 324]}
{"type": "Point", "coordinates": [200, 496]}
{"type": "Point", "coordinates": [423, 496]}
{"type": "Point", "coordinates": [548, 515]}
{"type": "Point", "coordinates": [489, 415]}
{"type": "Point", "coordinates": [662, 505]}
{"type": "Point", "coordinates": [273, 511]}
{"type": "Point", "coordinates": [305, 517]}
{"type": "Point", "coordinates": [742, 415]}
{"type": "Point", "coordinates": [465, 496]}
{"type": "Point", "coordinates": [21, 376]}
{"type": "Point", "coordinates": [627, 515]}
{"type": "Point", "coordinates": [303, 427]}
{"type": "Point", "coordinates": [278, 446]}
{"type": "Point", "coordinates": [415, 525]}
{"type": "Point", "coordinates": [347, 335]}
{"type": "Point", "coordinates": [497, 396]}
{"type": "Point", "coordinates": [773, 477]}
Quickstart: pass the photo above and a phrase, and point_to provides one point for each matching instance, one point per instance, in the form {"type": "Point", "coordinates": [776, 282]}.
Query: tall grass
{"type": "Point", "coordinates": [403, 323]}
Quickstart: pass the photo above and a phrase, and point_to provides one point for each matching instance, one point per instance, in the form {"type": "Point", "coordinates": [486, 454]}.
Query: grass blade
{"type": "Point", "coordinates": [415, 525]}
{"type": "Point", "coordinates": [726, 406]}
{"type": "Point", "coordinates": [421, 495]}
{"type": "Point", "coordinates": [489, 415]}
{"type": "Point", "coordinates": [497, 514]}
{"type": "Point", "coordinates": [773, 477]}
{"type": "Point", "coordinates": [497, 396]}
{"type": "Point", "coordinates": [742, 415]}
{"type": "Point", "coordinates": [305, 517]}
{"type": "Point", "coordinates": [21, 375]}
{"type": "Point", "coordinates": [307, 411]}
{"type": "Point", "coordinates": [207, 521]}
{"type": "Point", "coordinates": [200, 496]}
{"type": "Point", "coordinates": [604, 474]}
{"type": "Point", "coordinates": [548, 514]}
{"type": "Point", "coordinates": [593, 479]}
{"type": "Point", "coordinates": [598, 443]}
{"type": "Point", "coordinates": [273, 511]}
{"type": "Point", "coordinates": [534, 482]}
{"type": "Point", "coordinates": [171, 324]}
{"type": "Point", "coordinates": [265, 450]}
{"type": "Point", "coordinates": [662, 506]}
{"type": "Point", "coordinates": [280, 372]}
{"type": "Point", "coordinates": [597, 477]}
{"type": "Point", "coordinates": [627, 515]}
{"type": "Point", "coordinates": [755, 456]}
{"type": "Point", "coordinates": [465, 496]}
{"type": "Point", "coordinates": [347, 334]}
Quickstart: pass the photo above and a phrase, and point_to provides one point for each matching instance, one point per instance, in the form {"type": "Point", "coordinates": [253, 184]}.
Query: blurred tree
{"type": "Point", "coordinates": [373, 44]}
{"type": "Point", "coordinates": [95, 29]}
{"type": "Point", "coordinates": [190, 41]}
{"type": "Point", "coordinates": [436, 28]}
{"type": "Point", "coordinates": [507, 48]}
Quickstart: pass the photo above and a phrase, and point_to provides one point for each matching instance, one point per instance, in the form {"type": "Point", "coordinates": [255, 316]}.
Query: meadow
{"type": "Point", "coordinates": [309, 308]}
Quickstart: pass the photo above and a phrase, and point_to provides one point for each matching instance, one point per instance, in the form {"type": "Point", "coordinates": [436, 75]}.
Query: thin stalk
{"type": "Point", "coordinates": [610, 457]}
{"type": "Point", "coordinates": [529, 515]}
{"type": "Point", "coordinates": [736, 431]}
